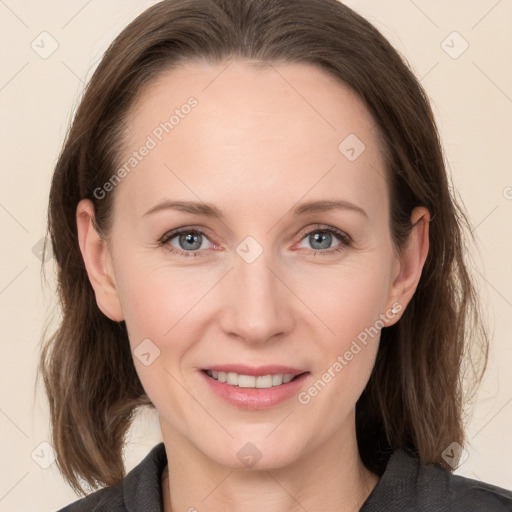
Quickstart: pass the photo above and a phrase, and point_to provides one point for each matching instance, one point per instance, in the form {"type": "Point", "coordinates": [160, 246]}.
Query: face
{"type": "Point", "coordinates": [278, 258]}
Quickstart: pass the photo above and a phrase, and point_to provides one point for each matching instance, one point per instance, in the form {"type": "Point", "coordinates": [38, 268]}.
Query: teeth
{"type": "Point", "coordinates": [263, 381]}
{"type": "Point", "coordinates": [232, 378]}
{"type": "Point", "coordinates": [287, 377]}
{"type": "Point", "coordinates": [277, 379]}
{"type": "Point", "coordinates": [250, 381]}
{"type": "Point", "coordinates": [243, 381]}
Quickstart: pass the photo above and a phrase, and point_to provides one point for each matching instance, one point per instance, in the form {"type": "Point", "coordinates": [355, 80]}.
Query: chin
{"type": "Point", "coordinates": [254, 452]}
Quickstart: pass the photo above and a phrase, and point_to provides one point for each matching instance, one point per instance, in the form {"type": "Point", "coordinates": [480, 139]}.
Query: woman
{"type": "Point", "coordinates": [255, 235]}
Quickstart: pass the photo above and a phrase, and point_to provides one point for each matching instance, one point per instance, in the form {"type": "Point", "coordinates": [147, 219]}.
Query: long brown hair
{"type": "Point", "coordinates": [414, 397]}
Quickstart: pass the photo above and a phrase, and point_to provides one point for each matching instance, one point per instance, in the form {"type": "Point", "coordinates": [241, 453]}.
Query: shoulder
{"type": "Point", "coordinates": [109, 499]}
{"type": "Point", "coordinates": [139, 491]}
{"type": "Point", "coordinates": [409, 484]}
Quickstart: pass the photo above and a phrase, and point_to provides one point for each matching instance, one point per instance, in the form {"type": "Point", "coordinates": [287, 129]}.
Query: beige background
{"type": "Point", "coordinates": [472, 99]}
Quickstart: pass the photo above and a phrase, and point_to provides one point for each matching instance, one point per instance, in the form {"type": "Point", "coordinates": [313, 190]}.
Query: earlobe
{"type": "Point", "coordinates": [412, 259]}
{"type": "Point", "coordinates": [96, 256]}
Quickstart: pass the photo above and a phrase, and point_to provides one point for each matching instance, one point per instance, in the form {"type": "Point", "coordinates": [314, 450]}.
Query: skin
{"type": "Point", "coordinates": [259, 142]}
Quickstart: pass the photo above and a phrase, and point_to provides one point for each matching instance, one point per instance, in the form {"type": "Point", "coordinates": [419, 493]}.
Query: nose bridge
{"type": "Point", "coordinates": [256, 309]}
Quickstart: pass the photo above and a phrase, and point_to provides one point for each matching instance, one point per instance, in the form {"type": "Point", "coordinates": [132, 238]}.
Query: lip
{"type": "Point", "coordinates": [255, 371]}
{"type": "Point", "coordinates": [254, 398]}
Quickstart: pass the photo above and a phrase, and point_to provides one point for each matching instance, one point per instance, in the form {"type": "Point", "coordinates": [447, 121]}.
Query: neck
{"type": "Point", "coordinates": [328, 477]}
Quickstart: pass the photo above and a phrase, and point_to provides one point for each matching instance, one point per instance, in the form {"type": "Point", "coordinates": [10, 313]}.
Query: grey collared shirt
{"type": "Point", "coordinates": [407, 485]}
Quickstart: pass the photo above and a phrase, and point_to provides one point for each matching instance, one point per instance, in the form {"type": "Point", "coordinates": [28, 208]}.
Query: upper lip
{"type": "Point", "coordinates": [256, 371]}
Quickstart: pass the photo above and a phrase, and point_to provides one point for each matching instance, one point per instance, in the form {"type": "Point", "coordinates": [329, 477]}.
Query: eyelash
{"type": "Point", "coordinates": [345, 240]}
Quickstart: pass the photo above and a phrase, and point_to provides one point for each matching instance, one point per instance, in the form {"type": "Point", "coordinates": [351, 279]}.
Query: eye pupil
{"type": "Point", "coordinates": [321, 237]}
{"type": "Point", "coordinates": [190, 238]}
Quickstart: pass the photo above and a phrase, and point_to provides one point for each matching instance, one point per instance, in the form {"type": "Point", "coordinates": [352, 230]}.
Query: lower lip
{"type": "Point", "coordinates": [255, 398]}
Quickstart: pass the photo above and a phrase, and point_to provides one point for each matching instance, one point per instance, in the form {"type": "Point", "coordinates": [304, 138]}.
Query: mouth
{"type": "Point", "coordinates": [254, 388]}
{"type": "Point", "coordinates": [241, 380]}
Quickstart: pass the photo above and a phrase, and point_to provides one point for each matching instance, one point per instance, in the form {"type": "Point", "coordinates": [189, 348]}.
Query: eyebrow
{"type": "Point", "coordinates": [322, 206]}
{"type": "Point", "coordinates": [210, 210]}
{"type": "Point", "coordinates": [206, 209]}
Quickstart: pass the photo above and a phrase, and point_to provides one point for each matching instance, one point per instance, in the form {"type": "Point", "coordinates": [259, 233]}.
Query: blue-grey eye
{"type": "Point", "coordinates": [188, 241]}
{"type": "Point", "coordinates": [320, 240]}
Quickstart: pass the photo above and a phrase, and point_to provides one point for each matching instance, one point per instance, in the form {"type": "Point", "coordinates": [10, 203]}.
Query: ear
{"type": "Point", "coordinates": [410, 265]}
{"type": "Point", "coordinates": [98, 263]}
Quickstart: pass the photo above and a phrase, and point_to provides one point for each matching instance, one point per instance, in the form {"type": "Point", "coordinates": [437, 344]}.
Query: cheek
{"type": "Point", "coordinates": [157, 298]}
{"type": "Point", "coordinates": [350, 303]}
{"type": "Point", "coordinates": [347, 299]}
{"type": "Point", "coordinates": [346, 356]}
{"type": "Point", "coordinates": [162, 309]}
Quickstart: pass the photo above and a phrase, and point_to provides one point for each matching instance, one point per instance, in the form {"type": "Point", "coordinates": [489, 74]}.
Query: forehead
{"type": "Point", "coordinates": [281, 130]}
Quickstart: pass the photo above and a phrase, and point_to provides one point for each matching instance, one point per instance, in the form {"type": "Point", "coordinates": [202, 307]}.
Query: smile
{"type": "Point", "coordinates": [267, 387]}
{"type": "Point", "coordinates": [251, 381]}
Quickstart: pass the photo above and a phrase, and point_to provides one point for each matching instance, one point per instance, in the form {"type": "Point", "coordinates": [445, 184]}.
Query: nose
{"type": "Point", "coordinates": [257, 305]}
